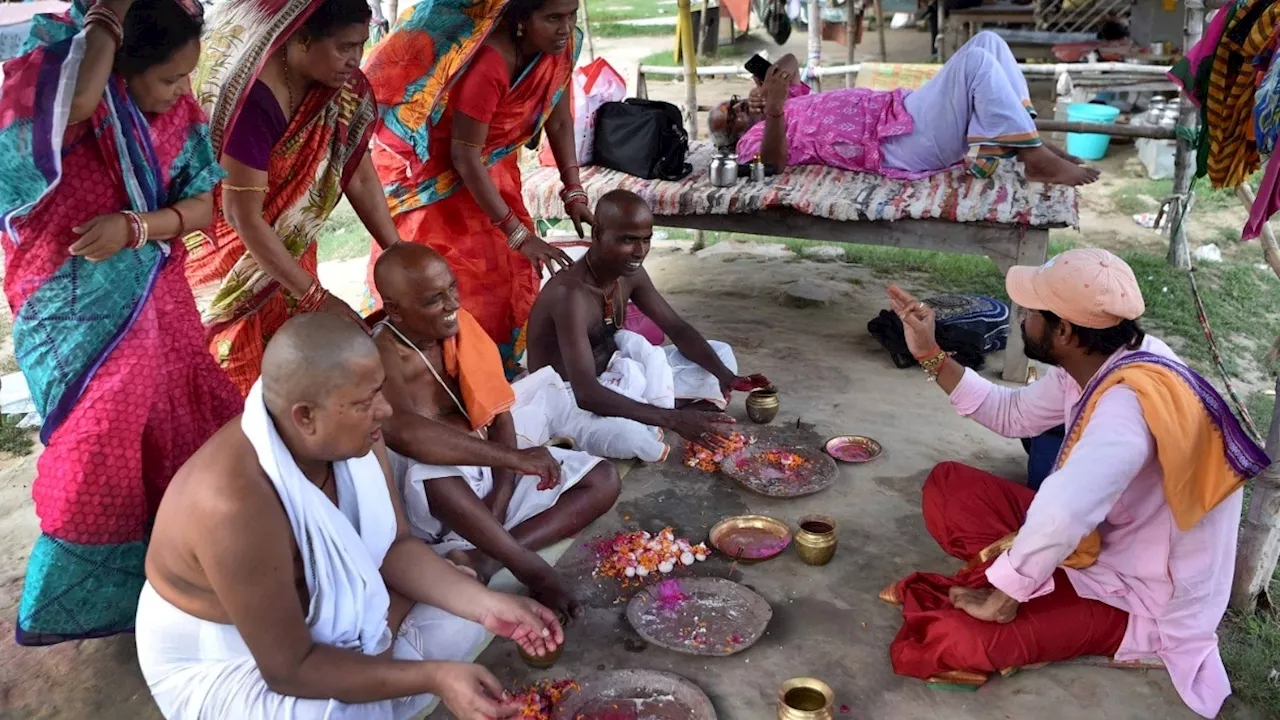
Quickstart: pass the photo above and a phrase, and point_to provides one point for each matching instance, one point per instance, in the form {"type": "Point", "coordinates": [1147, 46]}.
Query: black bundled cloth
{"type": "Point", "coordinates": [969, 327]}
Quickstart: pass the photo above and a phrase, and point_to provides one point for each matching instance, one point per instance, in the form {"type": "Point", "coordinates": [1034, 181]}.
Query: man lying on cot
{"type": "Point", "coordinates": [467, 446]}
{"type": "Point", "coordinates": [575, 328]}
{"type": "Point", "coordinates": [282, 579]}
{"type": "Point", "coordinates": [979, 98]}
{"type": "Point", "coordinates": [1127, 549]}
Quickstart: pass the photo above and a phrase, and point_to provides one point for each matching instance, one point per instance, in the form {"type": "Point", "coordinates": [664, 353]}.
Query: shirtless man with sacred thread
{"type": "Point", "coordinates": [575, 328]}
{"type": "Point", "coordinates": [467, 445]}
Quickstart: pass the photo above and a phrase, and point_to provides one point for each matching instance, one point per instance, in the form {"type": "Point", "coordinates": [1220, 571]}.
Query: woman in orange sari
{"type": "Point", "coordinates": [465, 84]}
{"type": "Point", "coordinates": [291, 116]}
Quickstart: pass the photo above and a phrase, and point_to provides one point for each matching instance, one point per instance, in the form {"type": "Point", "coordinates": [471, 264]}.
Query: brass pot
{"type": "Point", "coordinates": [564, 443]}
{"type": "Point", "coordinates": [815, 540]}
{"type": "Point", "coordinates": [805, 699]}
{"type": "Point", "coordinates": [545, 661]}
{"type": "Point", "coordinates": [762, 406]}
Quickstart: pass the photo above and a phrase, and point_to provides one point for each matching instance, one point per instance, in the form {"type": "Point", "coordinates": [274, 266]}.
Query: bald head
{"type": "Point", "coordinates": [621, 234]}
{"type": "Point", "coordinates": [403, 266]}
{"type": "Point", "coordinates": [419, 292]}
{"type": "Point", "coordinates": [718, 125]}
{"type": "Point", "coordinates": [312, 357]}
{"type": "Point", "coordinates": [622, 207]}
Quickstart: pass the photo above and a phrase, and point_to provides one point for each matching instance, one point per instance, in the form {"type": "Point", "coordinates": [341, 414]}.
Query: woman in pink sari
{"type": "Point", "coordinates": [107, 164]}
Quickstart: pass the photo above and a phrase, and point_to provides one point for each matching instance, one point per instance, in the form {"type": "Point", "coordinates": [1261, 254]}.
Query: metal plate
{"type": "Point", "coordinates": [853, 448]}
{"type": "Point", "coordinates": [750, 538]}
{"type": "Point", "coordinates": [752, 469]}
{"type": "Point", "coordinates": [649, 694]}
{"type": "Point", "coordinates": [715, 618]}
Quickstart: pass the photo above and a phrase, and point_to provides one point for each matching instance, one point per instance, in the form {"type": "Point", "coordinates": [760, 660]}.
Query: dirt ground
{"type": "Point", "coordinates": [827, 621]}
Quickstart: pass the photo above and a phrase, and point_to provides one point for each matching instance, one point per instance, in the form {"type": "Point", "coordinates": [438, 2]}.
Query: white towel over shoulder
{"type": "Point", "coordinates": [349, 599]}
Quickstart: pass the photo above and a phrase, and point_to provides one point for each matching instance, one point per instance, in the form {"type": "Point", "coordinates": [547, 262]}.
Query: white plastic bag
{"type": "Point", "coordinates": [594, 84]}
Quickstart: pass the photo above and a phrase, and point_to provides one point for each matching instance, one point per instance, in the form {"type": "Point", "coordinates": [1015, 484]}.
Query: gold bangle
{"type": "Point", "coordinates": [464, 143]}
{"type": "Point", "coordinates": [245, 188]}
{"type": "Point", "coordinates": [932, 366]}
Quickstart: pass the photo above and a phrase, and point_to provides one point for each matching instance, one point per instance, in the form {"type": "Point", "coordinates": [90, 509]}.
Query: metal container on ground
{"type": "Point", "coordinates": [762, 405]}
{"type": "Point", "coordinates": [815, 541]}
{"type": "Point", "coordinates": [805, 699]}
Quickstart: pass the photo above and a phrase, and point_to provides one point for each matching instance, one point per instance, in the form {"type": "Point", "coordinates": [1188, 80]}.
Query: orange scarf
{"type": "Point", "coordinates": [1190, 445]}
{"type": "Point", "coordinates": [472, 358]}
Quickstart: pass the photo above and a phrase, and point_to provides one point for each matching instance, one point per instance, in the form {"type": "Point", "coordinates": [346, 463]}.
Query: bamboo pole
{"type": "Point", "coordinates": [1259, 547]}
{"type": "Point", "coordinates": [704, 21]}
{"type": "Point", "coordinates": [1107, 70]}
{"type": "Point", "coordinates": [815, 40]}
{"type": "Point", "coordinates": [1183, 168]}
{"type": "Point", "coordinates": [884, 53]}
{"type": "Point", "coordinates": [851, 35]}
{"type": "Point", "coordinates": [1133, 131]}
{"type": "Point", "coordinates": [1270, 245]}
{"type": "Point", "coordinates": [586, 32]}
{"type": "Point", "coordinates": [684, 28]}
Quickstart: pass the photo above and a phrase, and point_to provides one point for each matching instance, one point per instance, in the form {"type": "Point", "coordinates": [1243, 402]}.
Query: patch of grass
{"type": "Point", "coordinates": [1250, 647]}
{"type": "Point", "coordinates": [1239, 302]}
{"type": "Point", "coordinates": [612, 10]}
{"type": "Point", "coordinates": [724, 55]}
{"type": "Point", "coordinates": [343, 236]}
{"type": "Point", "coordinates": [619, 30]}
{"type": "Point", "coordinates": [1225, 236]}
{"type": "Point", "coordinates": [946, 272]}
{"type": "Point", "coordinates": [1260, 405]}
{"type": "Point", "coordinates": [1141, 195]}
{"type": "Point", "coordinates": [13, 439]}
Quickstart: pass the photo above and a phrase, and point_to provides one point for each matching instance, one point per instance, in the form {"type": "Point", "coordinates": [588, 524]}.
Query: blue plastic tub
{"type": "Point", "coordinates": [1090, 146]}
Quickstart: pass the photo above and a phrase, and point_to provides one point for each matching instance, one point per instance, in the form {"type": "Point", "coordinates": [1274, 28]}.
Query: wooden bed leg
{"type": "Point", "coordinates": [1033, 249]}
{"type": "Point", "coordinates": [699, 241]}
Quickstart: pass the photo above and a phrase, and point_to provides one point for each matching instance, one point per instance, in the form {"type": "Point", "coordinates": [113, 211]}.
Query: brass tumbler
{"type": "Point", "coordinates": [815, 541]}
{"type": "Point", "coordinates": [805, 699]}
{"type": "Point", "coordinates": [542, 662]}
{"type": "Point", "coordinates": [564, 443]}
{"type": "Point", "coordinates": [762, 405]}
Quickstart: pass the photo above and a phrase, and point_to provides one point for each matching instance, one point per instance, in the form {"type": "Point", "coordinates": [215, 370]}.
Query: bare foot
{"type": "Point", "coordinates": [548, 588]}
{"type": "Point", "coordinates": [1060, 152]}
{"type": "Point", "coordinates": [1043, 165]}
{"type": "Point", "coordinates": [480, 565]}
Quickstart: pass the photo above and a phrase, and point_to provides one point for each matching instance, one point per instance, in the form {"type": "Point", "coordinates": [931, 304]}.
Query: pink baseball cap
{"type": "Point", "coordinates": [1088, 287]}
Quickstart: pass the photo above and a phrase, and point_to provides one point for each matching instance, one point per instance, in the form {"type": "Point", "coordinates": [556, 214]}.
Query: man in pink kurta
{"type": "Point", "coordinates": [1156, 586]}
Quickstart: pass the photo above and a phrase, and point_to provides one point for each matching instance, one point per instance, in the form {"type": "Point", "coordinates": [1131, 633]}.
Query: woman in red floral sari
{"type": "Point", "coordinates": [290, 116]}
{"type": "Point", "coordinates": [465, 86]}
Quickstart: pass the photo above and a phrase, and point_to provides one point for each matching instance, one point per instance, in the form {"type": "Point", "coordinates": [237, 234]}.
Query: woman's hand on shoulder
{"type": "Point", "coordinates": [542, 253]}
{"type": "Point", "coordinates": [580, 213]}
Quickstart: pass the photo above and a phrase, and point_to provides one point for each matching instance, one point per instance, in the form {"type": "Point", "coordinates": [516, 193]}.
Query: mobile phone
{"type": "Point", "coordinates": [758, 66]}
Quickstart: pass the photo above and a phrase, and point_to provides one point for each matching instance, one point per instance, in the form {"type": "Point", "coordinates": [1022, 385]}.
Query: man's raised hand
{"type": "Point", "coordinates": [919, 324]}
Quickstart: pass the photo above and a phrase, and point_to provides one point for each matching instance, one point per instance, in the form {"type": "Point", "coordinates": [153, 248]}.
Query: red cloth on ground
{"type": "Point", "coordinates": [966, 509]}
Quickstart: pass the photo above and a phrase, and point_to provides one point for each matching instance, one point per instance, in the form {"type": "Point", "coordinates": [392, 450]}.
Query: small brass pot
{"type": "Point", "coordinates": [544, 661]}
{"type": "Point", "coordinates": [564, 443]}
{"type": "Point", "coordinates": [805, 699]}
{"type": "Point", "coordinates": [762, 406]}
{"type": "Point", "coordinates": [815, 540]}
